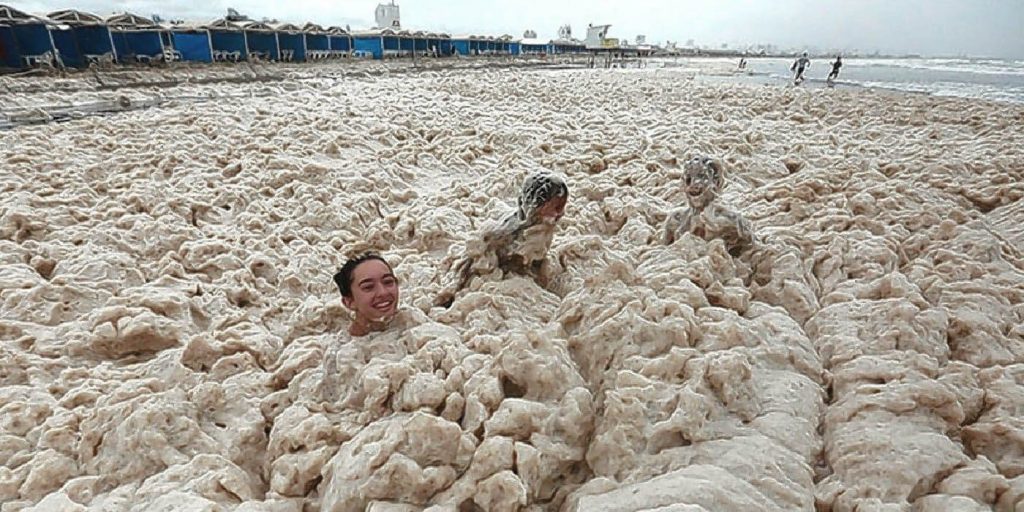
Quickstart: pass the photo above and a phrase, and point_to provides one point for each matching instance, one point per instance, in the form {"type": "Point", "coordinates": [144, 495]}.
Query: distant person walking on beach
{"type": "Point", "coordinates": [743, 63]}
{"type": "Point", "coordinates": [835, 68]}
{"type": "Point", "coordinates": [799, 65]}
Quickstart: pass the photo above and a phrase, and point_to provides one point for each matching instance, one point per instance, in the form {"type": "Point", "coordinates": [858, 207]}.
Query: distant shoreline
{"type": "Point", "coordinates": [120, 80]}
{"type": "Point", "coordinates": [738, 55]}
{"type": "Point", "coordinates": [755, 79]}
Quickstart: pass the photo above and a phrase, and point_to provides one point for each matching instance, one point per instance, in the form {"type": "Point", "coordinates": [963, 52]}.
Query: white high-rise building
{"type": "Point", "coordinates": [387, 16]}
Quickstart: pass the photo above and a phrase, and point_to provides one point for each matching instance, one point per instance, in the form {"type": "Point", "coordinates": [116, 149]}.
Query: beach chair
{"type": "Point", "coordinates": [171, 55]}
{"type": "Point", "coordinates": [99, 59]}
{"type": "Point", "coordinates": [43, 59]}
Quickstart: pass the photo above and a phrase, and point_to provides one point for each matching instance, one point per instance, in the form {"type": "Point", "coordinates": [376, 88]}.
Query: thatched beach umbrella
{"type": "Point", "coordinates": [10, 14]}
{"type": "Point", "coordinates": [313, 28]}
{"type": "Point", "coordinates": [72, 16]}
{"type": "Point", "coordinates": [129, 20]}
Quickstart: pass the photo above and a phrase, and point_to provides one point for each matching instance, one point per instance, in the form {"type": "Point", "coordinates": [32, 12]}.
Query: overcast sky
{"type": "Point", "coordinates": [929, 27]}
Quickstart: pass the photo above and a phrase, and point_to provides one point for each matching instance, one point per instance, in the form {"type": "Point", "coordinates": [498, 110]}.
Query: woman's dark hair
{"type": "Point", "coordinates": [344, 276]}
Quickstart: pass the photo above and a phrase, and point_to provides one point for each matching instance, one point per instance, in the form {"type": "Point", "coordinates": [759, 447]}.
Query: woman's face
{"type": "Point", "coordinates": [374, 291]}
{"type": "Point", "coordinates": [553, 209]}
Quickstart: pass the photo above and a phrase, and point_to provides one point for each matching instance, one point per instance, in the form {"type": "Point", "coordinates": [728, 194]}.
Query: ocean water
{"type": "Point", "coordinates": [990, 79]}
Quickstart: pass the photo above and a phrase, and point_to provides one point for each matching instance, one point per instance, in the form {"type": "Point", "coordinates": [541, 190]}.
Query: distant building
{"type": "Point", "coordinates": [597, 37]}
{"type": "Point", "coordinates": [387, 16]}
{"type": "Point", "coordinates": [530, 34]}
{"type": "Point", "coordinates": [641, 39]}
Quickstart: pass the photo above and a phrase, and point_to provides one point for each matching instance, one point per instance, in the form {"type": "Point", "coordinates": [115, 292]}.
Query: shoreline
{"type": "Point", "coordinates": [765, 79]}
{"type": "Point", "coordinates": [154, 81]}
{"type": "Point", "coordinates": [937, 80]}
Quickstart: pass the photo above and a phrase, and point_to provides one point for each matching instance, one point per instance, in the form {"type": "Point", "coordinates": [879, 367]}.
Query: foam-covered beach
{"type": "Point", "coordinates": [167, 308]}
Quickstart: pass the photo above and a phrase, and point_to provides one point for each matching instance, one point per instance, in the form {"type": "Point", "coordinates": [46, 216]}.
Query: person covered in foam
{"type": "Point", "coordinates": [520, 242]}
{"type": "Point", "coordinates": [705, 216]}
{"type": "Point", "coordinates": [370, 291]}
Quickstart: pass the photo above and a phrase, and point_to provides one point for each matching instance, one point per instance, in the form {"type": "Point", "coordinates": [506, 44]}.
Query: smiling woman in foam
{"type": "Point", "coordinates": [369, 289]}
{"type": "Point", "coordinates": [379, 327]}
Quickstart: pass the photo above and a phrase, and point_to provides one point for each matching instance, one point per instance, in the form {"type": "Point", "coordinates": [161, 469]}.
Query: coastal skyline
{"type": "Point", "coordinates": [988, 28]}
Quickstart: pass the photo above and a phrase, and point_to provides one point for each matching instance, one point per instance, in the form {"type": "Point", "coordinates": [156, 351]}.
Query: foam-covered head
{"type": "Point", "coordinates": [542, 198]}
{"type": "Point", "coordinates": [703, 180]}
